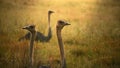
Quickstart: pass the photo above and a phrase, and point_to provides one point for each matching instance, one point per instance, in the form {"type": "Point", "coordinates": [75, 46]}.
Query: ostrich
{"type": "Point", "coordinates": [31, 29]}
{"type": "Point", "coordinates": [59, 27]}
{"type": "Point", "coordinates": [39, 36]}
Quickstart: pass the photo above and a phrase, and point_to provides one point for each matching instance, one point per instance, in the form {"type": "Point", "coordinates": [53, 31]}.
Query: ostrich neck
{"type": "Point", "coordinates": [60, 43]}
{"type": "Point", "coordinates": [32, 38]}
{"type": "Point", "coordinates": [59, 37]}
{"type": "Point", "coordinates": [49, 35]}
{"type": "Point", "coordinates": [49, 19]}
{"type": "Point", "coordinates": [32, 48]}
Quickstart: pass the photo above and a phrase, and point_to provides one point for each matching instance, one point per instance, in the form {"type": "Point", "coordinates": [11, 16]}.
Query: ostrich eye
{"type": "Point", "coordinates": [61, 22]}
{"type": "Point", "coordinates": [31, 26]}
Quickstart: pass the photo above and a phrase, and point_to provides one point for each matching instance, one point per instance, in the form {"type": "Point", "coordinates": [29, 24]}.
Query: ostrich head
{"type": "Point", "coordinates": [30, 28]}
{"type": "Point", "coordinates": [50, 12]}
{"type": "Point", "coordinates": [61, 24]}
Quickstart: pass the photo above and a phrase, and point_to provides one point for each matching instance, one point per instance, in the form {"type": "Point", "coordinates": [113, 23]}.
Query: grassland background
{"type": "Point", "coordinates": [91, 41]}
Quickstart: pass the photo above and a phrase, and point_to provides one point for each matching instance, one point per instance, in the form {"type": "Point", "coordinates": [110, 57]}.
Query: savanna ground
{"type": "Point", "coordinates": [91, 41]}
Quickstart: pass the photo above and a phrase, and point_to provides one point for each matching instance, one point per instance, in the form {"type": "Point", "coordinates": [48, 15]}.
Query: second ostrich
{"type": "Point", "coordinates": [59, 27]}
{"type": "Point", "coordinates": [39, 36]}
{"type": "Point", "coordinates": [32, 30]}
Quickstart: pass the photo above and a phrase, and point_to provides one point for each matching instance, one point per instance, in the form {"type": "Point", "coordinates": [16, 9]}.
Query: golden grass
{"type": "Point", "coordinates": [91, 41]}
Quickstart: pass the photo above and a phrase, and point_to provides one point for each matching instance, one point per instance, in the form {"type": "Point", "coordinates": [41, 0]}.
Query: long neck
{"type": "Point", "coordinates": [61, 48]}
{"type": "Point", "coordinates": [49, 19]}
{"type": "Point", "coordinates": [31, 55]}
{"type": "Point", "coordinates": [49, 35]}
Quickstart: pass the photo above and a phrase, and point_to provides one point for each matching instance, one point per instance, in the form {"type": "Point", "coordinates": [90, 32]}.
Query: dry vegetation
{"type": "Point", "coordinates": [92, 40]}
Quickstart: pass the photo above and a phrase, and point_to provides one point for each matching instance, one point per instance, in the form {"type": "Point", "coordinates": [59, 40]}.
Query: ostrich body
{"type": "Point", "coordinates": [31, 28]}
{"type": "Point", "coordinates": [39, 36]}
{"type": "Point", "coordinates": [60, 25]}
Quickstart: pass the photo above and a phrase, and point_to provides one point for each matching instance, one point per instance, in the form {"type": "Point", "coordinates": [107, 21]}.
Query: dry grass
{"type": "Point", "coordinates": [92, 40]}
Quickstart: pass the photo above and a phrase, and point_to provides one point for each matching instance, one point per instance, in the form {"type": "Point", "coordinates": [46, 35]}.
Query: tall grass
{"type": "Point", "coordinates": [92, 40]}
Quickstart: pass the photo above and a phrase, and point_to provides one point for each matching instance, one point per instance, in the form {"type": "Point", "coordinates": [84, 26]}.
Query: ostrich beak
{"type": "Point", "coordinates": [67, 24]}
{"type": "Point", "coordinates": [24, 27]}
{"type": "Point", "coordinates": [52, 12]}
